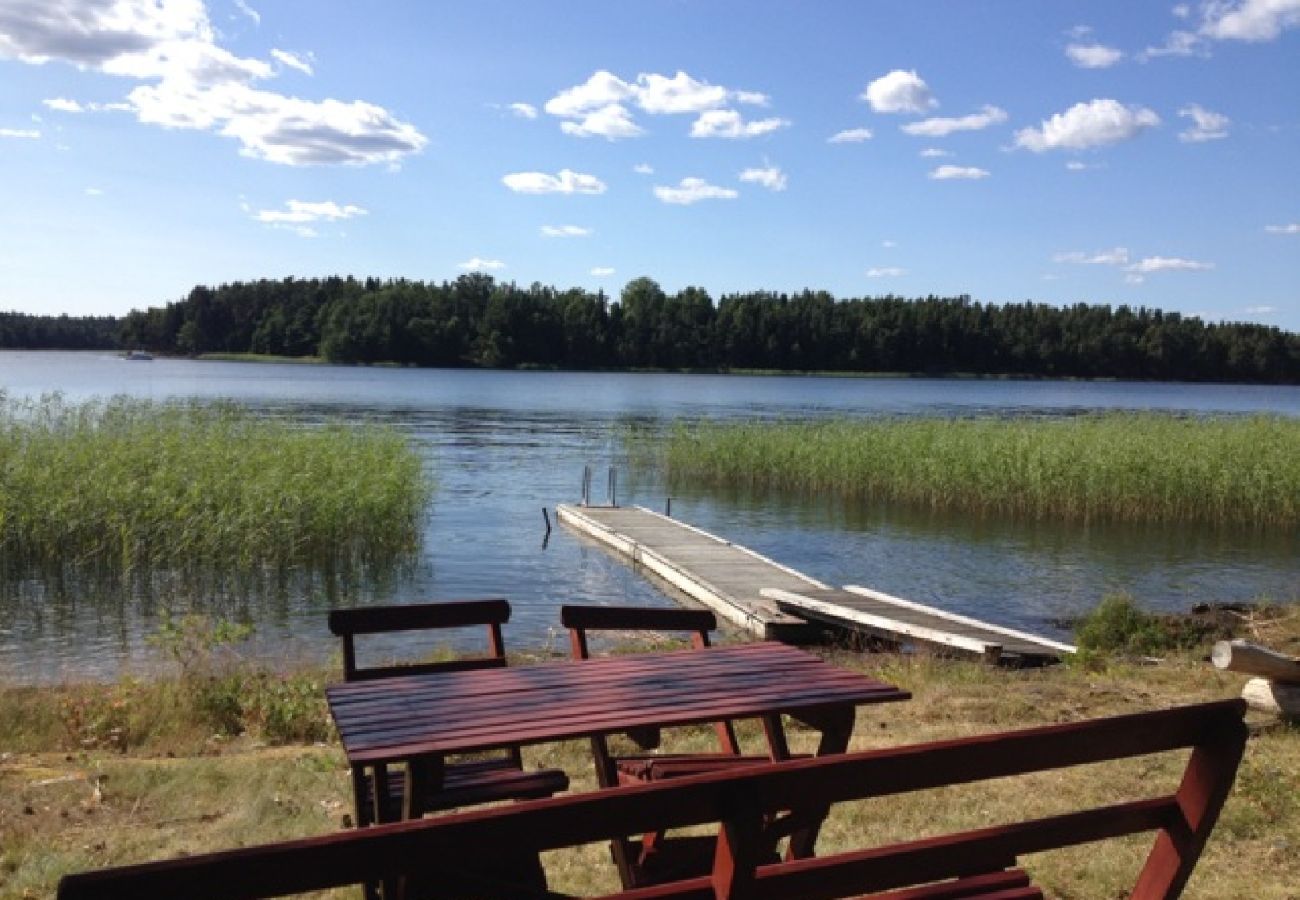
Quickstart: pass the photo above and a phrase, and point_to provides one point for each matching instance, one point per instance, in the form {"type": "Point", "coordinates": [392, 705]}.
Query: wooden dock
{"type": "Point", "coordinates": [775, 602]}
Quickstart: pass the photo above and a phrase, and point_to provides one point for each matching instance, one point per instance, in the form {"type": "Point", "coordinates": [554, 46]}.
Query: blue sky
{"type": "Point", "coordinates": [1108, 152]}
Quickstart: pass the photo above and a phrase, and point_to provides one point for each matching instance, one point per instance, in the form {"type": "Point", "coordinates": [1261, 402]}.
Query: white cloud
{"type": "Point", "coordinates": [886, 272]}
{"type": "Point", "coordinates": [94, 192]}
{"type": "Point", "coordinates": [479, 264]}
{"type": "Point", "coordinates": [934, 153]}
{"type": "Point", "coordinates": [693, 190]}
{"type": "Point", "coordinates": [1117, 256]}
{"type": "Point", "coordinates": [293, 61]}
{"type": "Point", "coordinates": [611, 122]}
{"type": "Point", "coordinates": [1260, 310]}
{"type": "Point", "coordinates": [1249, 20]}
{"type": "Point", "coordinates": [247, 10]}
{"type": "Point", "coordinates": [970, 173]}
{"type": "Point", "coordinates": [191, 82]}
{"type": "Point", "coordinates": [1289, 228]}
{"type": "Point", "coordinates": [850, 136]}
{"type": "Point", "coordinates": [1079, 32]}
{"type": "Point", "coordinates": [1181, 11]}
{"type": "Point", "coordinates": [899, 92]}
{"type": "Point", "coordinates": [602, 271]}
{"type": "Point", "coordinates": [30, 134]}
{"type": "Point", "coordinates": [565, 231]}
{"type": "Point", "coordinates": [660, 95]}
{"type": "Point", "coordinates": [1093, 56]}
{"type": "Point", "coordinates": [1150, 264]}
{"type": "Point", "coordinates": [727, 123]}
{"type": "Point", "coordinates": [524, 110]}
{"type": "Point", "coordinates": [1075, 165]}
{"type": "Point", "coordinates": [301, 212]}
{"type": "Point", "coordinates": [752, 98]}
{"type": "Point", "coordinates": [643, 169]}
{"type": "Point", "coordinates": [770, 177]}
{"type": "Point", "coordinates": [566, 182]}
{"type": "Point", "coordinates": [1084, 125]}
{"type": "Point", "coordinates": [889, 245]}
{"type": "Point", "coordinates": [1206, 125]}
{"type": "Point", "coordinates": [600, 90]}
{"type": "Point", "coordinates": [63, 104]}
{"type": "Point", "coordinates": [942, 127]}
{"type": "Point", "coordinates": [1178, 43]}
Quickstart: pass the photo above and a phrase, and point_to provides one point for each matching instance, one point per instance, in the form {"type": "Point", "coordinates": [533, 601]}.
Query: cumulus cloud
{"type": "Point", "coordinates": [899, 92]}
{"type": "Point", "coordinates": [1093, 56]}
{"type": "Point", "coordinates": [191, 82]}
{"type": "Point", "coordinates": [643, 169]}
{"type": "Point", "coordinates": [770, 177]}
{"type": "Point", "coordinates": [293, 61]}
{"type": "Point", "coordinates": [1117, 256]}
{"type": "Point", "coordinates": [886, 272]}
{"type": "Point", "coordinates": [566, 182]}
{"type": "Point", "coordinates": [850, 136]}
{"type": "Point", "coordinates": [693, 190]}
{"type": "Point", "coordinates": [727, 123]}
{"type": "Point", "coordinates": [1085, 125]}
{"type": "Point", "coordinates": [1206, 125]}
{"type": "Point", "coordinates": [302, 212]}
{"type": "Point", "coordinates": [942, 127]}
{"type": "Point", "coordinates": [602, 271]}
{"type": "Point", "coordinates": [612, 122]}
{"type": "Point", "coordinates": [1138, 271]}
{"type": "Point", "coordinates": [29, 134]}
{"type": "Point", "coordinates": [562, 231]}
{"type": "Point", "coordinates": [478, 264]}
{"type": "Point", "coordinates": [1178, 43]}
{"type": "Point", "coordinates": [603, 104]}
{"type": "Point", "coordinates": [1289, 228]}
{"type": "Point", "coordinates": [524, 110]}
{"type": "Point", "coordinates": [63, 104]}
{"type": "Point", "coordinates": [969, 173]}
{"type": "Point", "coordinates": [1249, 20]}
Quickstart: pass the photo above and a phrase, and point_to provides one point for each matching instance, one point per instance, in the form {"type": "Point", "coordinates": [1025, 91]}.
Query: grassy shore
{"type": "Point", "coordinates": [1119, 466]}
{"type": "Point", "coordinates": [92, 775]}
{"type": "Point", "coordinates": [122, 484]}
{"type": "Point", "coordinates": [263, 358]}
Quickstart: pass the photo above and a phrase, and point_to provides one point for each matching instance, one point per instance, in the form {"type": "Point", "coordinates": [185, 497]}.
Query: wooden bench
{"type": "Point", "coordinates": [970, 864]}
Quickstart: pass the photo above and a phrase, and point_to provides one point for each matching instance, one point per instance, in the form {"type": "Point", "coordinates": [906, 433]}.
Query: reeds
{"type": "Point", "coordinates": [1132, 467]}
{"type": "Point", "coordinates": [123, 484]}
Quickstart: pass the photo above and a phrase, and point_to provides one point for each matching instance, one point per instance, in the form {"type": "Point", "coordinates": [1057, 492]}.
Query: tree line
{"type": "Point", "coordinates": [22, 330]}
{"type": "Point", "coordinates": [476, 321]}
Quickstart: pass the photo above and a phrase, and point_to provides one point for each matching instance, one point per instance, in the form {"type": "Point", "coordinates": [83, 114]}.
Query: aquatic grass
{"type": "Point", "coordinates": [1133, 467]}
{"type": "Point", "coordinates": [124, 484]}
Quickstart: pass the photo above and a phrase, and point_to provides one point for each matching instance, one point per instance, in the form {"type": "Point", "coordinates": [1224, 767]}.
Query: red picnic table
{"type": "Point", "coordinates": [421, 718]}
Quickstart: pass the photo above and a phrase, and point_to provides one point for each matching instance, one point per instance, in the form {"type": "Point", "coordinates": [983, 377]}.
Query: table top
{"type": "Point", "coordinates": [396, 718]}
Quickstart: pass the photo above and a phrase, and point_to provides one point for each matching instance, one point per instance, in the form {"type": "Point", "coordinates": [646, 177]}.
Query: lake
{"type": "Point", "coordinates": [503, 445]}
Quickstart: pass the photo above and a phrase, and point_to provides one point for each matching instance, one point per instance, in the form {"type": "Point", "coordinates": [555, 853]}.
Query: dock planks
{"type": "Point", "coordinates": [774, 601]}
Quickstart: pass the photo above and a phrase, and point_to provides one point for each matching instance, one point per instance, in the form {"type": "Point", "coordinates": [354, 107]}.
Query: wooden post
{"type": "Point", "coordinates": [1252, 659]}
{"type": "Point", "coordinates": [1273, 696]}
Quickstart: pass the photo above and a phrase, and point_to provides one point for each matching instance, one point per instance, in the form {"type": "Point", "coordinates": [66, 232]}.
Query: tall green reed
{"type": "Point", "coordinates": [124, 484]}
{"type": "Point", "coordinates": [1117, 466]}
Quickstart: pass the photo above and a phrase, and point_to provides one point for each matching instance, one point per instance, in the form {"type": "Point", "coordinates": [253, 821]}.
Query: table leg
{"type": "Point", "coordinates": [836, 726]}
{"type": "Point", "coordinates": [621, 849]}
{"type": "Point", "coordinates": [423, 775]}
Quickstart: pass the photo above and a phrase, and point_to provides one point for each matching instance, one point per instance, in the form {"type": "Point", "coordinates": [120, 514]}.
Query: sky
{"type": "Point", "coordinates": [1101, 152]}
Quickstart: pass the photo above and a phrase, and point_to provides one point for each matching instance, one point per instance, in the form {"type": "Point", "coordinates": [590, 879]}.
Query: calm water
{"type": "Point", "coordinates": [503, 445]}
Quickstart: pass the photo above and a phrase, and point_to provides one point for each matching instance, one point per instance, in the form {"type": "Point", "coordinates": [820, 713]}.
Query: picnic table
{"type": "Point", "coordinates": [418, 719]}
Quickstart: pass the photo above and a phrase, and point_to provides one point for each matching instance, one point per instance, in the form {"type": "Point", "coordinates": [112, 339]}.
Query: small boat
{"type": "Point", "coordinates": [138, 355]}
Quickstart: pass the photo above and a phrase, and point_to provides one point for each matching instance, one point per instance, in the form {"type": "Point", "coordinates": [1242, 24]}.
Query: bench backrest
{"type": "Point", "coordinates": [741, 799]}
{"type": "Point", "coordinates": [491, 613]}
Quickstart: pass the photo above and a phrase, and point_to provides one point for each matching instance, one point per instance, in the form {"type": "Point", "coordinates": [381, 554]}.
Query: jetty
{"type": "Point", "coordinates": [775, 602]}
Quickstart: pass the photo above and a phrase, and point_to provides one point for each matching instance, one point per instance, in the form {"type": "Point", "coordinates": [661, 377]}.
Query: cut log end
{"type": "Point", "coordinates": [1252, 659]}
{"type": "Point", "coordinates": [1270, 696]}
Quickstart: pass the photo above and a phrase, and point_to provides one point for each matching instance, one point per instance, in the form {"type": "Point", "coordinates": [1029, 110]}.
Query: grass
{"type": "Point", "coordinates": [1133, 467]}
{"type": "Point", "coordinates": [122, 484]}
{"type": "Point", "coordinates": [262, 358]}
{"type": "Point", "coordinates": [70, 801]}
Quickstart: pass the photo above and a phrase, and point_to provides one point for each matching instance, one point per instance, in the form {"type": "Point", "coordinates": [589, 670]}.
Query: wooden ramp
{"type": "Point", "coordinates": [725, 577]}
{"type": "Point", "coordinates": [776, 602]}
{"type": "Point", "coordinates": [904, 621]}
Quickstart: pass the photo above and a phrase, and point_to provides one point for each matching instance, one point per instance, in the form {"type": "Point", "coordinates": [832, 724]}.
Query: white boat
{"type": "Point", "coordinates": [138, 355]}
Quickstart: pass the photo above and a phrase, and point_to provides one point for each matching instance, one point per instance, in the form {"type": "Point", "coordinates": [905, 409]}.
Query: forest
{"type": "Point", "coordinates": [476, 321]}
{"type": "Point", "coordinates": [22, 330]}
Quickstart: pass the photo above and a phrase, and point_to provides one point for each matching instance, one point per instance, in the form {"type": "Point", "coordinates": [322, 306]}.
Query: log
{"type": "Point", "coordinates": [1252, 659]}
{"type": "Point", "coordinates": [1270, 696]}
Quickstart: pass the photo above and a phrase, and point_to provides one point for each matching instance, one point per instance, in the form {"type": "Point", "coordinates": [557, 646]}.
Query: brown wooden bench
{"type": "Point", "coordinates": [500, 777]}
{"type": "Point", "coordinates": [445, 852]}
